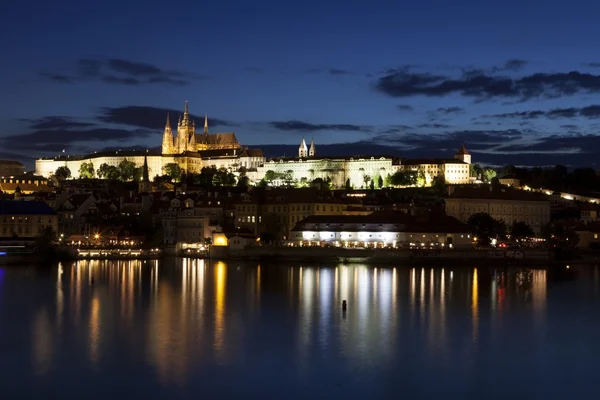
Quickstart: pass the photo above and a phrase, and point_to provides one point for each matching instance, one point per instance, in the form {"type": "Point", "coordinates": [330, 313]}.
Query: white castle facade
{"type": "Point", "coordinates": [193, 151]}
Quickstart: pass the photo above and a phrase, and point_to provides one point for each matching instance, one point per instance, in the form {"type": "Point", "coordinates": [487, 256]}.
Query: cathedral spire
{"type": "Point", "coordinates": [185, 109]}
{"type": "Point", "coordinates": [206, 123]}
{"type": "Point", "coordinates": [168, 124]}
{"type": "Point", "coordinates": [145, 173]}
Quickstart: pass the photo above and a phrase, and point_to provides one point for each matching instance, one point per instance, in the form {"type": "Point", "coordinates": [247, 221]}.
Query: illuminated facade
{"type": "Point", "coordinates": [508, 205]}
{"type": "Point", "coordinates": [360, 171]}
{"type": "Point", "coordinates": [189, 150]}
{"type": "Point", "coordinates": [188, 140]}
{"type": "Point", "coordinates": [379, 229]}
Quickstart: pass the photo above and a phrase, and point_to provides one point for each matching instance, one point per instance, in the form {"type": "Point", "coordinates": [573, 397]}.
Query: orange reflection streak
{"type": "Point", "coordinates": [60, 301]}
{"type": "Point", "coordinates": [475, 305]}
{"type": "Point", "coordinates": [394, 290]}
{"type": "Point", "coordinates": [220, 287]}
{"type": "Point", "coordinates": [42, 342]}
{"type": "Point", "coordinates": [94, 326]}
{"type": "Point", "coordinates": [539, 293]}
{"type": "Point", "coordinates": [422, 292]}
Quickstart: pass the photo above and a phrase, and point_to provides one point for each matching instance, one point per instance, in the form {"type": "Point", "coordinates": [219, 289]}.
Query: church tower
{"type": "Point", "coordinates": [303, 149]}
{"type": "Point", "coordinates": [463, 155]}
{"type": "Point", "coordinates": [168, 143]}
{"type": "Point", "coordinates": [186, 132]}
{"type": "Point", "coordinates": [312, 152]}
{"type": "Point", "coordinates": [145, 186]}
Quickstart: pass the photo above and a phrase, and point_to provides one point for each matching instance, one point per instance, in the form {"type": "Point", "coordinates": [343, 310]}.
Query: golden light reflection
{"type": "Point", "coordinates": [539, 293]}
{"type": "Point", "coordinates": [94, 327]}
{"type": "Point", "coordinates": [220, 288]}
{"type": "Point", "coordinates": [475, 305]}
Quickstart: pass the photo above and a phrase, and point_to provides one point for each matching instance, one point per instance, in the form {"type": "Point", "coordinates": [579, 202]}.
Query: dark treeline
{"type": "Point", "coordinates": [559, 178]}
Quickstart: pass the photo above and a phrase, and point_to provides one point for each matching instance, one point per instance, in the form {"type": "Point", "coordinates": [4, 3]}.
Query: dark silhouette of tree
{"type": "Point", "coordinates": [485, 228]}
{"type": "Point", "coordinates": [520, 230]}
{"type": "Point", "coordinates": [127, 170]}
{"type": "Point", "coordinates": [173, 170]}
{"type": "Point", "coordinates": [62, 173]}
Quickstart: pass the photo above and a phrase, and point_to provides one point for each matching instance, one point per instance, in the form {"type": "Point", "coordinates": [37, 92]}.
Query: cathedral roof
{"type": "Point", "coordinates": [217, 138]}
{"type": "Point", "coordinates": [252, 153]}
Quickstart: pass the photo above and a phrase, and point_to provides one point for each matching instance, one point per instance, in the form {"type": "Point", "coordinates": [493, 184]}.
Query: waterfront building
{"type": "Point", "coordinates": [380, 229]}
{"type": "Point", "coordinates": [277, 210]}
{"type": "Point", "coordinates": [505, 204]}
{"type": "Point", "coordinates": [26, 219]}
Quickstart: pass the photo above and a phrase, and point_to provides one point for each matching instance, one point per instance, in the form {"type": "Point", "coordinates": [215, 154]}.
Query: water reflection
{"type": "Point", "coordinates": [180, 316]}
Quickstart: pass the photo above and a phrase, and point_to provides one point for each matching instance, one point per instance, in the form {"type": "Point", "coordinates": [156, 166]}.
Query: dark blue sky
{"type": "Point", "coordinates": [516, 81]}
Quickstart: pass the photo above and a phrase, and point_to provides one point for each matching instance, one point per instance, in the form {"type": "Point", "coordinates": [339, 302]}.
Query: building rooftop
{"type": "Point", "coordinates": [16, 207]}
{"type": "Point", "coordinates": [435, 161]}
{"type": "Point", "coordinates": [11, 162]}
{"type": "Point", "coordinates": [491, 193]}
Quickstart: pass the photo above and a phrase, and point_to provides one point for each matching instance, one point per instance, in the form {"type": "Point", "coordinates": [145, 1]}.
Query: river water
{"type": "Point", "coordinates": [192, 329]}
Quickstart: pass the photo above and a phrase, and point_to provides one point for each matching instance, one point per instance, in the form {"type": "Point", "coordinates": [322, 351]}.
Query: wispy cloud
{"type": "Point", "coordinates": [120, 72]}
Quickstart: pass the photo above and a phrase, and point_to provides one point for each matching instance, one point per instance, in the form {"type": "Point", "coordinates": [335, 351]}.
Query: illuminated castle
{"type": "Point", "coordinates": [187, 140]}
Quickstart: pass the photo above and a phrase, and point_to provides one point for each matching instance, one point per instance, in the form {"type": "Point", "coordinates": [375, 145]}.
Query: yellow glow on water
{"type": "Point", "coordinates": [475, 304]}
{"type": "Point", "coordinates": [220, 288]}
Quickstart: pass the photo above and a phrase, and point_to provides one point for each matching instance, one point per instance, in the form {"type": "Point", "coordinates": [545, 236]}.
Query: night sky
{"type": "Point", "coordinates": [515, 81]}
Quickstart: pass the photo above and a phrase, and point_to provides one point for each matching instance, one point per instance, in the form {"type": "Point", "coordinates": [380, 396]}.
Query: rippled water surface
{"type": "Point", "coordinates": [187, 329]}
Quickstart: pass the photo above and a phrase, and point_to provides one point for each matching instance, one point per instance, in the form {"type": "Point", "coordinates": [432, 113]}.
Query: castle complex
{"type": "Point", "coordinates": [193, 151]}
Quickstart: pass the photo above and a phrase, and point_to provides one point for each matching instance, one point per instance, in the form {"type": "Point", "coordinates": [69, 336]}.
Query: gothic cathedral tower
{"type": "Point", "coordinates": [186, 132]}
{"type": "Point", "coordinates": [168, 144]}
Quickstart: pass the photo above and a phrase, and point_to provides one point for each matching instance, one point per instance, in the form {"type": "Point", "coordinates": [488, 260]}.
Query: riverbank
{"type": "Point", "coordinates": [383, 256]}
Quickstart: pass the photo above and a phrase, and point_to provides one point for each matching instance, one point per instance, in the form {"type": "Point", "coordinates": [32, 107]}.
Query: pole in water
{"type": "Point", "coordinates": [344, 305]}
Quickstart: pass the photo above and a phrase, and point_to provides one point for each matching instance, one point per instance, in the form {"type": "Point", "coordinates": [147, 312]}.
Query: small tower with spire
{"type": "Point", "coordinates": [312, 151]}
{"type": "Point", "coordinates": [206, 124]}
{"type": "Point", "coordinates": [168, 143]}
{"type": "Point", "coordinates": [463, 155]}
{"type": "Point", "coordinates": [145, 186]}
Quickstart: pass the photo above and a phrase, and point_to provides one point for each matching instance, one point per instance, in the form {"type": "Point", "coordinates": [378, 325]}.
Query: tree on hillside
{"type": "Point", "coordinates": [62, 173]}
{"type": "Point", "coordinates": [173, 170]}
{"type": "Point", "coordinates": [489, 174]}
{"type": "Point", "coordinates": [112, 173]}
{"type": "Point", "coordinates": [380, 182]}
{"type": "Point", "coordinates": [127, 170]}
{"type": "Point", "coordinates": [520, 230]}
{"type": "Point", "coordinates": [243, 181]}
{"type": "Point", "coordinates": [270, 176]}
{"type": "Point", "coordinates": [438, 185]}
{"type": "Point", "coordinates": [476, 171]}
{"type": "Point", "coordinates": [404, 178]}
{"type": "Point", "coordinates": [86, 170]}
{"type": "Point", "coordinates": [485, 228]}
{"type": "Point", "coordinates": [223, 177]}
{"type": "Point", "coordinates": [348, 185]}
{"type": "Point", "coordinates": [102, 171]}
